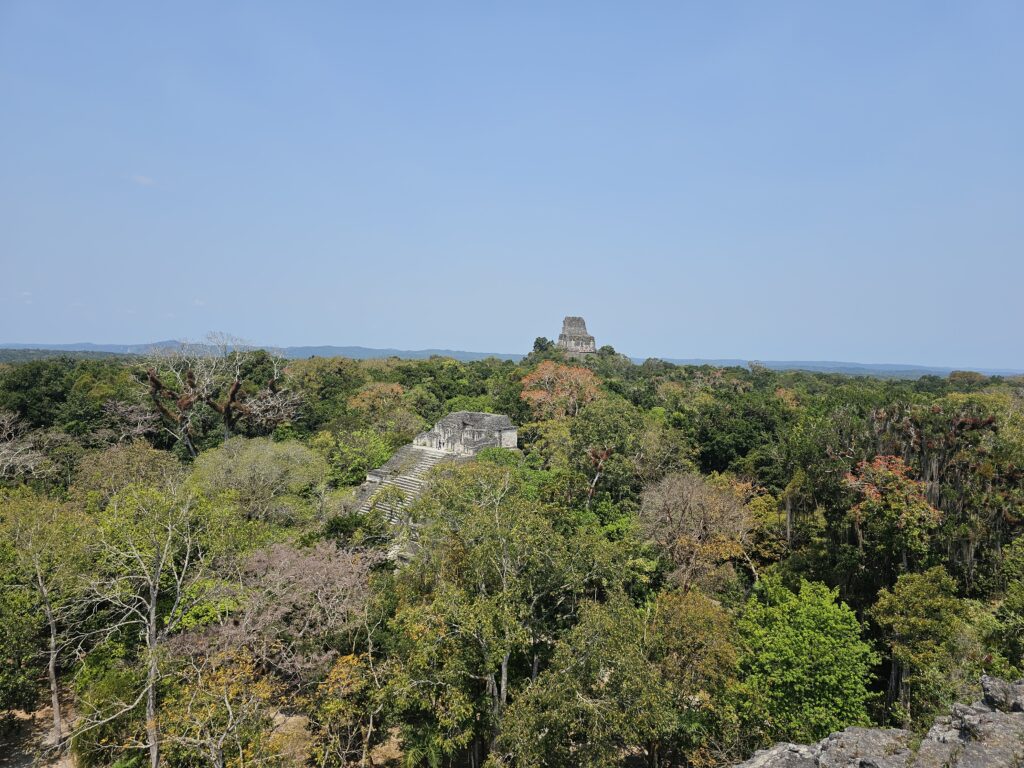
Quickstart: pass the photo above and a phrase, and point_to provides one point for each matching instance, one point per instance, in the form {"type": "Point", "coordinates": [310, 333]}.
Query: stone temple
{"type": "Point", "coordinates": [456, 437]}
{"type": "Point", "coordinates": [574, 339]}
{"type": "Point", "coordinates": [466, 432]}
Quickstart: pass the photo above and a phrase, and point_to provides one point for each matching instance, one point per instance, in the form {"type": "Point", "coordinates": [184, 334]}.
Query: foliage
{"type": "Point", "coordinates": [939, 645]}
{"type": "Point", "coordinates": [269, 479]}
{"type": "Point", "coordinates": [555, 391]}
{"type": "Point", "coordinates": [893, 521]}
{"type": "Point", "coordinates": [351, 455]}
{"type": "Point", "coordinates": [600, 697]}
{"type": "Point", "coordinates": [221, 713]}
{"type": "Point", "coordinates": [183, 556]}
{"type": "Point", "coordinates": [345, 713]}
{"type": "Point", "coordinates": [19, 640]}
{"type": "Point", "coordinates": [101, 474]}
{"type": "Point", "coordinates": [805, 669]}
{"type": "Point", "coordinates": [495, 574]}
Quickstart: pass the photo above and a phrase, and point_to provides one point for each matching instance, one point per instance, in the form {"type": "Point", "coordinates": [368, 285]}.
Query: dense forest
{"type": "Point", "coordinates": [679, 565]}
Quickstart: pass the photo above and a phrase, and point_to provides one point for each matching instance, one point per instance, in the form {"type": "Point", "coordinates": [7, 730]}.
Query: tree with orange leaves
{"type": "Point", "coordinates": [555, 391]}
{"type": "Point", "coordinates": [377, 399]}
{"type": "Point", "coordinates": [893, 521]}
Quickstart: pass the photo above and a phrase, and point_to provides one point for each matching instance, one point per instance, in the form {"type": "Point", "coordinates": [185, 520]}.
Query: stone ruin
{"type": "Point", "coordinates": [464, 433]}
{"type": "Point", "coordinates": [574, 339]}
{"type": "Point", "coordinates": [456, 437]}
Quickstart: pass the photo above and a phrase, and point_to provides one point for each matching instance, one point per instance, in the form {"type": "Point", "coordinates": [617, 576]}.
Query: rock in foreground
{"type": "Point", "coordinates": [986, 734]}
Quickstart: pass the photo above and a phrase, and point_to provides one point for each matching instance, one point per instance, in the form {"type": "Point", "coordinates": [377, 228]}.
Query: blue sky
{"type": "Point", "coordinates": [839, 181]}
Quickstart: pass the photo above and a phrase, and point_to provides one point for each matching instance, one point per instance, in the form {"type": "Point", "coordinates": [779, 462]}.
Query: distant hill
{"type": "Point", "coordinates": [878, 370]}
{"type": "Point", "coordinates": [368, 353]}
{"type": "Point", "coordinates": [27, 355]}
{"type": "Point", "coordinates": [102, 349]}
{"type": "Point", "coordinates": [295, 353]}
{"type": "Point", "coordinates": [22, 352]}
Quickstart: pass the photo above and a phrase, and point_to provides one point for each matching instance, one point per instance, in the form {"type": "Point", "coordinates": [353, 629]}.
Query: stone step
{"type": "Point", "coordinates": [424, 464]}
{"type": "Point", "coordinates": [408, 486]}
{"type": "Point", "coordinates": [414, 462]}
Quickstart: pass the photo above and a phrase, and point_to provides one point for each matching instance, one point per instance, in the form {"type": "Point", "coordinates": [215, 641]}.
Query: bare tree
{"type": "Point", "coordinates": [698, 526]}
{"type": "Point", "coordinates": [299, 604]}
{"type": "Point", "coordinates": [273, 404]}
{"type": "Point", "coordinates": [19, 454]}
{"type": "Point", "coordinates": [130, 421]}
{"type": "Point", "coordinates": [154, 551]}
{"type": "Point", "coordinates": [182, 379]}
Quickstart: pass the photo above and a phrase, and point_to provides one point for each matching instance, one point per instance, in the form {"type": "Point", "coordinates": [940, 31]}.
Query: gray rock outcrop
{"type": "Point", "coordinates": [986, 734]}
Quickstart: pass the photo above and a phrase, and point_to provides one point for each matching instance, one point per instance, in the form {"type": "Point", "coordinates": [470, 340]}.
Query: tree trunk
{"type": "Point", "coordinates": [152, 733]}
{"type": "Point", "coordinates": [152, 675]}
{"type": "Point", "coordinates": [503, 697]}
{"type": "Point", "coordinates": [789, 521]}
{"type": "Point", "coordinates": [365, 757]}
{"type": "Point", "coordinates": [51, 666]}
{"type": "Point", "coordinates": [895, 687]}
{"type": "Point", "coordinates": [51, 671]}
{"type": "Point", "coordinates": [593, 484]}
{"type": "Point", "coordinates": [187, 440]}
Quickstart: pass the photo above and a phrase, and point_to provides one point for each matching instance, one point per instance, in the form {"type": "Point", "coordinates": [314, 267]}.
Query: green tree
{"type": "Point", "coordinates": [350, 455]}
{"type": "Point", "coordinates": [269, 479]}
{"type": "Point", "coordinates": [102, 474]}
{"type": "Point", "coordinates": [155, 568]}
{"type": "Point", "coordinates": [47, 542]}
{"type": "Point", "coordinates": [1011, 610]}
{"type": "Point", "coordinates": [21, 635]}
{"type": "Point", "coordinates": [692, 645]}
{"type": "Point", "coordinates": [604, 445]}
{"type": "Point", "coordinates": [935, 652]}
{"type": "Point", "coordinates": [804, 667]}
{"type": "Point", "coordinates": [494, 577]}
{"type": "Point", "coordinates": [893, 521]}
{"type": "Point", "coordinates": [601, 698]}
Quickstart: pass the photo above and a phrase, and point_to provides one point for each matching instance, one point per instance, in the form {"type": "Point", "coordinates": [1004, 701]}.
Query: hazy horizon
{"type": "Point", "coordinates": [907, 364]}
{"type": "Point", "coordinates": [789, 182]}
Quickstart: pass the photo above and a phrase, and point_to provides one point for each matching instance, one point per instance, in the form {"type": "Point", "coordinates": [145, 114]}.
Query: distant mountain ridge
{"type": "Point", "coordinates": [294, 353]}
{"type": "Point", "coordinates": [879, 370]}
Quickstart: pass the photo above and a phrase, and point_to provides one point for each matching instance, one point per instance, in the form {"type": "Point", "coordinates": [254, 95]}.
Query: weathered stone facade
{"type": "Point", "coordinates": [574, 339]}
{"type": "Point", "coordinates": [463, 433]}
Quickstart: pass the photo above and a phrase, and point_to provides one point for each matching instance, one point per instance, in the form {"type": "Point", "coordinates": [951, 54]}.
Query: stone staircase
{"type": "Point", "coordinates": [407, 471]}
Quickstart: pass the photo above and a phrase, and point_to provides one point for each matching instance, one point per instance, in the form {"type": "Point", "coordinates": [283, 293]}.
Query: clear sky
{"type": "Point", "coordinates": [784, 180]}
